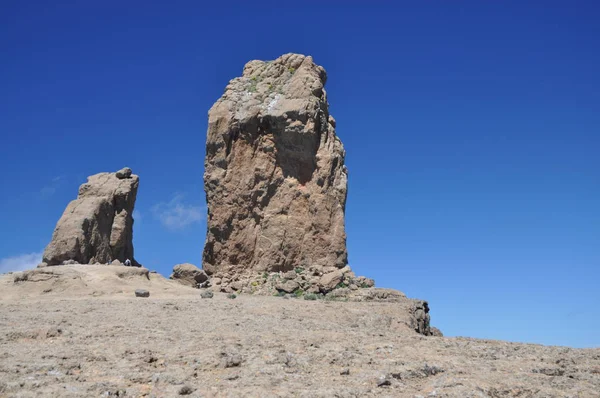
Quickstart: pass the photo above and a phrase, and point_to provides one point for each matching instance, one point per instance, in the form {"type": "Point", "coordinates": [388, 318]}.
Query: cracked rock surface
{"type": "Point", "coordinates": [275, 178]}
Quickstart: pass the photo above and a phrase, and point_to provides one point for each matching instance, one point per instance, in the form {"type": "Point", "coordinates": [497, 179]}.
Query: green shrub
{"type": "Point", "coordinates": [310, 296]}
{"type": "Point", "coordinates": [231, 296]}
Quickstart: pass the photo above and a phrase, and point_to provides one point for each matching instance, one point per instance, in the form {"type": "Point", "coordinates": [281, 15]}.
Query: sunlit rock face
{"type": "Point", "coordinates": [97, 227]}
{"type": "Point", "coordinates": [275, 178]}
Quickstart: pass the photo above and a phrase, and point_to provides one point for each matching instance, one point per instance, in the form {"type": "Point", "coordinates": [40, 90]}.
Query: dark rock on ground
{"type": "Point", "coordinates": [142, 293]}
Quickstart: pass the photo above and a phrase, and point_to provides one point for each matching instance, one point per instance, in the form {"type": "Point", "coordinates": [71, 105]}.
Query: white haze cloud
{"type": "Point", "coordinates": [20, 263]}
{"type": "Point", "coordinates": [176, 214]}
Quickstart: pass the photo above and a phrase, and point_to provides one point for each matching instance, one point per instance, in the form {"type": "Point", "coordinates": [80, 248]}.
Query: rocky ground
{"type": "Point", "coordinates": [83, 333]}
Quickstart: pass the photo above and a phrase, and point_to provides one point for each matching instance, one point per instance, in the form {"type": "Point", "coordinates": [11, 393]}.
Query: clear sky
{"type": "Point", "coordinates": [472, 131]}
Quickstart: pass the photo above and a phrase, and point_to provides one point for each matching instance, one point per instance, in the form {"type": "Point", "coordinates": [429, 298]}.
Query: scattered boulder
{"type": "Point", "coordinates": [98, 225]}
{"type": "Point", "coordinates": [288, 286]}
{"type": "Point", "coordinates": [230, 360]}
{"type": "Point", "coordinates": [329, 281]}
{"type": "Point", "coordinates": [142, 293]}
{"type": "Point", "coordinates": [275, 178]}
{"type": "Point", "coordinates": [189, 275]}
{"type": "Point", "coordinates": [125, 172]}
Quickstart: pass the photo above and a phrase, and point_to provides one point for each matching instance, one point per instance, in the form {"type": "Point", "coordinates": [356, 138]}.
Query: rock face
{"type": "Point", "coordinates": [97, 227]}
{"type": "Point", "coordinates": [275, 178]}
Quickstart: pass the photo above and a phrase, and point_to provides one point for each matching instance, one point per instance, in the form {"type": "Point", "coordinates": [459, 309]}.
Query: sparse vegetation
{"type": "Point", "coordinates": [310, 296]}
{"type": "Point", "coordinates": [231, 296]}
{"type": "Point", "coordinates": [292, 70]}
{"type": "Point", "coordinates": [299, 270]}
{"type": "Point", "coordinates": [341, 285]}
{"type": "Point", "coordinates": [298, 293]}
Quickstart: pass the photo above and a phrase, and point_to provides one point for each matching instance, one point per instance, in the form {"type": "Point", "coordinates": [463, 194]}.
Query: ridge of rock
{"type": "Point", "coordinates": [275, 178]}
{"type": "Point", "coordinates": [97, 227]}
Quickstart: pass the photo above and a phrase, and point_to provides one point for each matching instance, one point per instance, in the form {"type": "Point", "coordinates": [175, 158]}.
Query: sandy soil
{"type": "Point", "coordinates": [85, 334]}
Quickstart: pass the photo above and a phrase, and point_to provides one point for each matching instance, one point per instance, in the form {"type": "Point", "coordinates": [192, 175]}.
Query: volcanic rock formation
{"type": "Point", "coordinates": [275, 178]}
{"type": "Point", "coordinates": [97, 227]}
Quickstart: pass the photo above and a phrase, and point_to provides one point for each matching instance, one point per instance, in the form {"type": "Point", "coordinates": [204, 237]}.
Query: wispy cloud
{"type": "Point", "coordinates": [176, 214]}
{"type": "Point", "coordinates": [20, 263]}
{"type": "Point", "coordinates": [137, 216]}
{"type": "Point", "coordinates": [51, 188]}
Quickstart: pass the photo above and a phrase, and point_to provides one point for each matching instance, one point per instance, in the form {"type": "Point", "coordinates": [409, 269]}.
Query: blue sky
{"type": "Point", "coordinates": [472, 132]}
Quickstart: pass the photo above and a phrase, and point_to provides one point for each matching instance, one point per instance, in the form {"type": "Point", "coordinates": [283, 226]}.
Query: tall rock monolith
{"type": "Point", "coordinates": [275, 178]}
{"type": "Point", "coordinates": [97, 227]}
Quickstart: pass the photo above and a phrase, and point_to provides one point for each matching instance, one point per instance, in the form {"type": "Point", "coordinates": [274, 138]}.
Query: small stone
{"type": "Point", "coordinates": [116, 262]}
{"type": "Point", "coordinates": [186, 390]}
{"type": "Point", "coordinates": [125, 172]}
{"type": "Point", "coordinates": [363, 282]}
{"type": "Point", "coordinates": [42, 265]}
{"type": "Point", "coordinates": [345, 372]}
{"type": "Point", "coordinates": [345, 270]}
{"type": "Point", "coordinates": [207, 294]}
{"type": "Point", "coordinates": [216, 281]}
{"type": "Point", "coordinates": [313, 289]}
{"type": "Point", "coordinates": [142, 293]}
{"type": "Point", "coordinates": [204, 285]}
{"type": "Point", "coordinates": [383, 381]}
{"type": "Point", "coordinates": [231, 361]}
{"type": "Point", "coordinates": [290, 275]}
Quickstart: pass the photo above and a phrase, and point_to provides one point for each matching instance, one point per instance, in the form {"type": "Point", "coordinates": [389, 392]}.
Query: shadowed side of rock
{"type": "Point", "coordinates": [97, 227]}
{"type": "Point", "coordinates": [275, 178]}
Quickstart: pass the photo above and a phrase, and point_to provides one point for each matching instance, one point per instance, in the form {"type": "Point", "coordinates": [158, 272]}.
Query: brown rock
{"type": "Point", "coordinates": [329, 281]}
{"type": "Point", "coordinates": [288, 286]}
{"type": "Point", "coordinates": [188, 274]}
{"type": "Point", "coordinates": [275, 178]}
{"type": "Point", "coordinates": [98, 225]}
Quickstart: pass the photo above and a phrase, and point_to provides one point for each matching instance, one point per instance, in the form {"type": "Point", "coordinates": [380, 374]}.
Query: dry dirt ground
{"type": "Point", "coordinates": [83, 333]}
